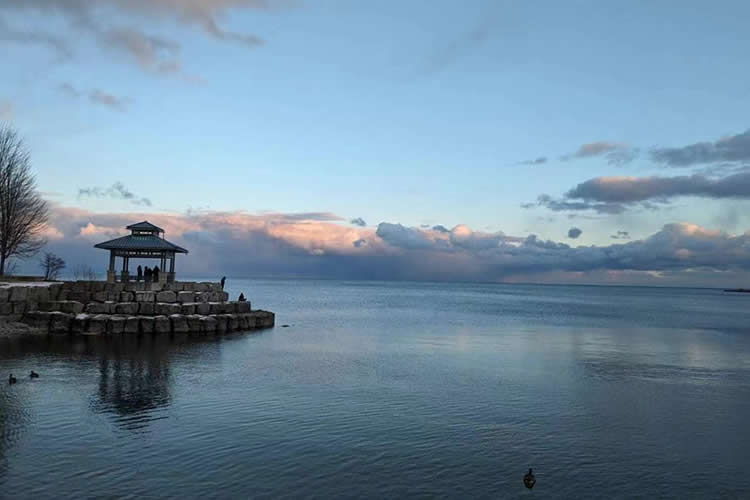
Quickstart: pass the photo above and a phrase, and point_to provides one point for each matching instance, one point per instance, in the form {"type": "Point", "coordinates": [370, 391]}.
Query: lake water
{"type": "Point", "coordinates": [385, 390]}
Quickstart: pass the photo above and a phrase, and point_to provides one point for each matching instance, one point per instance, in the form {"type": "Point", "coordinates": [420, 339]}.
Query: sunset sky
{"type": "Point", "coordinates": [581, 141]}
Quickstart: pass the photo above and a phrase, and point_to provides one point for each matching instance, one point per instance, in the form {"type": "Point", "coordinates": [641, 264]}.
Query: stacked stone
{"type": "Point", "coordinates": [57, 322]}
{"type": "Point", "coordinates": [97, 308]}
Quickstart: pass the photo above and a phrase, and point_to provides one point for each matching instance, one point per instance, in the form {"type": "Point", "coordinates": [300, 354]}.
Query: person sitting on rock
{"type": "Point", "coordinates": [242, 298]}
{"type": "Point", "coordinates": [529, 480]}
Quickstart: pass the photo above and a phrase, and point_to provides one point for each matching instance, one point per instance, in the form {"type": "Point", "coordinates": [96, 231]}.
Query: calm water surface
{"type": "Point", "coordinates": [385, 390]}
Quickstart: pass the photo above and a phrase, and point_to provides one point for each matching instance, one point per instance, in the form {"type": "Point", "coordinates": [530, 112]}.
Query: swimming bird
{"type": "Point", "coordinates": [529, 480]}
{"type": "Point", "coordinates": [12, 379]}
{"type": "Point", "coordinates": [33, 374]}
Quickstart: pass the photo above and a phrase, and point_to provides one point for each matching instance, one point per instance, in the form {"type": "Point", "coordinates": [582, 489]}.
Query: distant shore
{"type": "Point", "coordinates": [737, 290]}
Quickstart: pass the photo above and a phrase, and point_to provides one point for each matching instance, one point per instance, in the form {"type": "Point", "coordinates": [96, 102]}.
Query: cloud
{"type": "Point", "coordinates": [109, 100]}
{"type": "Point", "coordinates": [403, 237]}
{"type": "Point", "coordinates": [156, 54]}
{"type": "Point", "coordinates": [41, 38]}
{"type": "Point", "coordinates": [359, 221]}
{"type": "Point", "coordinates": [115, 191]}
{"type": "Point", "coordinates": [636, 189]}
{"type": "Point", "coordinates": [241, 244]}
{"type": "Point", "coordinates": [536, 161]}
{"type": "Point", "coordinates": [613, 195]}
{"type": "Point", "coordinates": [441, 229]}
{"type": "Point", "coordinates": [574, 232]}
{"type": "Point", "coordinates": [734, 148]}
{"type": "Point", "coordinates": [615, 153]}
{"type": "Point", "coordinates": [95, 96]}
{"type": "Point", "coordinates": [557, 205]}
{"type": "Point", "coordinates": [621, 235]}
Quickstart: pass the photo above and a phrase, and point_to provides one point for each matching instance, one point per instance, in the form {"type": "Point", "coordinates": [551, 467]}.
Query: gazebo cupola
{"type": "Point", "coordinates": [145, 241]}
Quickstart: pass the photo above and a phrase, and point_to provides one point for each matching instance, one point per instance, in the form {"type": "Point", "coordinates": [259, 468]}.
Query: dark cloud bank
{"type": "Point", "coordinates": [290, 245]}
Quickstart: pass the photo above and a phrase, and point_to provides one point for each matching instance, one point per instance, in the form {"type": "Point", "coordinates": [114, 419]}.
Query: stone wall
{"type": "Point", "coordinates": [97, 307]}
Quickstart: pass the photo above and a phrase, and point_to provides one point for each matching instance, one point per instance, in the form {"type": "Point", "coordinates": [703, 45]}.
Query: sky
{"type": "Point", "coordinates": [540, 141]}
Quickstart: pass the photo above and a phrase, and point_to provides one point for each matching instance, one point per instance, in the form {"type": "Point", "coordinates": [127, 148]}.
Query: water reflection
{"type": "Point", "coordinates": [133, 380]}
{"type": "Point", "coordinates": [133, 375]}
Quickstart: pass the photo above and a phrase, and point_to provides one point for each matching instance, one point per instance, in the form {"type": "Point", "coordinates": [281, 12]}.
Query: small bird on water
{"type": "Point", "coordinates": [529, 480]}
{"type": "Point", "coordinates": [33, 374]}
{"type": "Point", "coordinates": [12, 379]}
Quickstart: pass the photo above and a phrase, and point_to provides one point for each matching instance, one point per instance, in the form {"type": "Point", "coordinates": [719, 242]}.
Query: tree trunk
{"type": "Point", "coordinates": [2, 265]}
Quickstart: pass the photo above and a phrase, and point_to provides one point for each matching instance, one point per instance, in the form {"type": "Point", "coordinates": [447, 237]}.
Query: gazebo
{"type": "Point", "coordinates": [145, 241]}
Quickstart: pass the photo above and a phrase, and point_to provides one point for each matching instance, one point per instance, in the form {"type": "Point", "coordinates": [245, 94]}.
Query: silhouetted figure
{"type": "Point", "coordinates": [140, 274]}
{"type": "Point", "coordinates": [33, 374]}
{"type": "Point", "coordinates": [12, 379]}
{"type": "Point", "coordinates": [242, 298]}
{"type": "Point", "coordinates": [529, 480]}
{"type": "Point", "coordinates": [156, 274]}
{"type": "Point", "coordinates": [147, 273]}
{"type": "Point", "coordinates": [223, 279]}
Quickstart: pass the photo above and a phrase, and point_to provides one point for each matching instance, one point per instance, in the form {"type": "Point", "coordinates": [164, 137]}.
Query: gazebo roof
{"type": "Point", "coordinates": [144, 226]}
{"type": "Point", "coordinates": [148, 242]}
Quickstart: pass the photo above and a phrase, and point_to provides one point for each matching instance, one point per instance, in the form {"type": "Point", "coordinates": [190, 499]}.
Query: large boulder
{"type": "Point", "coordinates": [80, 323]}
{"type": "Point", "coordinates": [6, 308]}
{"type": "Point", "coordinates": [19, 307]}
{"type": "Point", "coordinates": [223, 296]}
{"type": "Point", "coordinates": [126, 308]}
{"type": "Point", "coordinates": [147, 324]}
{"type": "Point", "coordinates": [37, 319]}
{"type": "Point", "coordinates": [42, 293]}
{"type": "Point", "coordinates": [189, 286]}
{"type": "Point", "coordinates": [183, 297]}
{"type": "Point", "coordinates": [101, 296]}
{"type": "Point", "coordinates": [251, 320]}
{"type": "Point", "coordinates": [167, 309]}
{"type": "Point", "coordinates": [166, 296]}
{"type": "Point", "coordinates": [127, 297]}
{"type": "Point", "coordinates": [194, 323]}
{"type": "Point", "coordinates": [216, 308]}
{"type": "Point", "coordinates": [4, 294]}
{"type": "Point", "coordinates": [242, 307]}
{"type": "Point", "coordinates": [97, 308]}
{"type": "Point", "coordinates": [202, 308]}
{"type": "Point", "coordinates": [98, 324]}
{"type": "Point", "coordinates": [71, 306]}
{"type": "Point", "coordinates": [132, 324]}
{"type": "Point", "coordinates": [60, 323]}
{"type": "Point", "coordinates": [201, 287]}
{"type": "Point", "coordinates": [162, 324]}
{"type": "Point", "coordinates": [208, 324]}
{"type": "Point", "coordinates": [265, 319]}
{"type": "Point", "coordinates": [233, 322]}
{"type": "Point", "coordinates": [146, 308]}
{"type": "Point", "coordinates": [18, 293]}
{"type": "Point", "coordinates": [188, 308]}
{"type": "Point", "coordinates": [116, 324]}
{"type": "Point", "coordinates": [179, 323]}
{"type": "Point", "coordinates": [145, 296]}
{"type": "Point", "coordinates": [241, 321]}
{"type": "Point", "coordinates": [221, 322]}
{"type": "Point", "coordinates": [202, 296]}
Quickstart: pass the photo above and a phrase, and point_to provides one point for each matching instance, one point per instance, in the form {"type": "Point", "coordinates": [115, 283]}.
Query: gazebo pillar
{"type": "Point", "coordinates": [111, 273]}
{"type": "Point", "coordinates": [170, 276]}
{"type": "Point", "coordinates": [125, 276]}
{"type": "Point", "coordinates": [163, 268]}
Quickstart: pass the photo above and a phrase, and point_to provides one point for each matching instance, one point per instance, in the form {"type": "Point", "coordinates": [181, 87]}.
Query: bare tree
{"type": "Point", "coordinates": [84, 272]}
{"type": "Point", "coordinates": [23, 212]}
{"type": "Point", "coordinates": [52, 265]}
